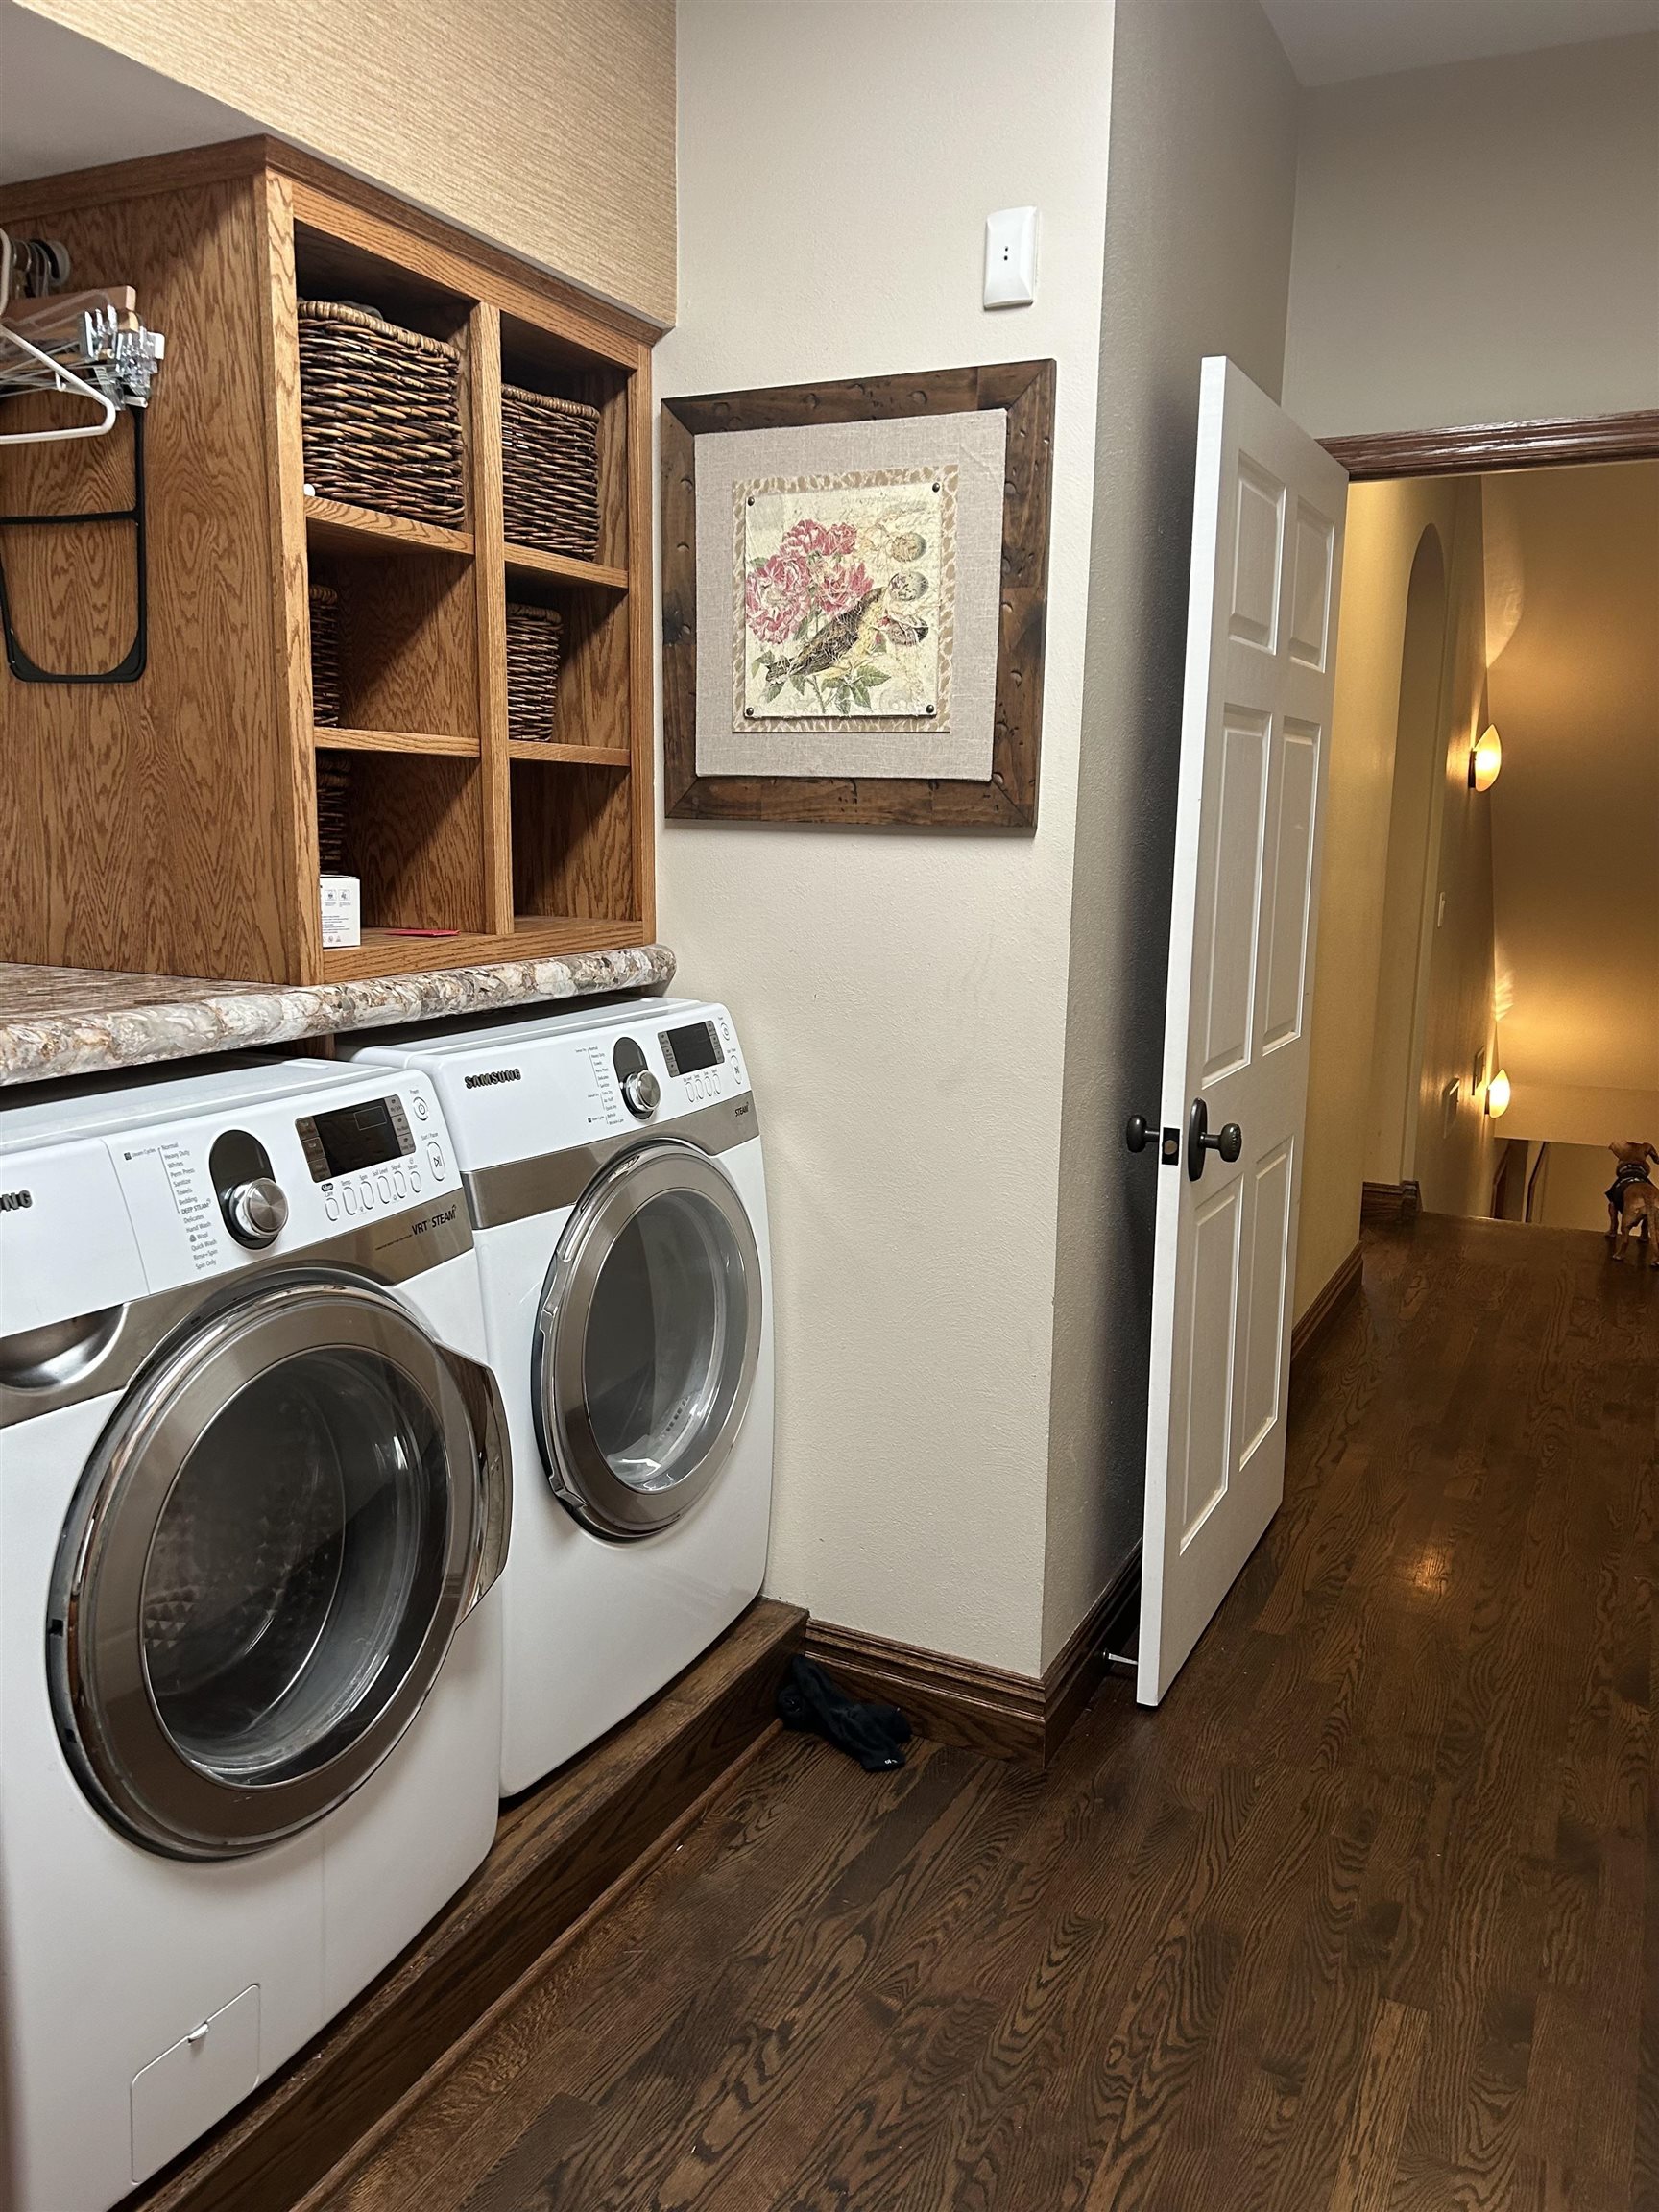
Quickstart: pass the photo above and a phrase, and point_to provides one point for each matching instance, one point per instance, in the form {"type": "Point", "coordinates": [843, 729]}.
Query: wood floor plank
{"type": "Point", "coordinates": [1366, 1918]}
{"type": "Point", "coordinates": [1383, 2096]}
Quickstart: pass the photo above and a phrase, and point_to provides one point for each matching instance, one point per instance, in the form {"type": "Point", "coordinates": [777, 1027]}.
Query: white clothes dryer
{"type": "Point", "coordinates": [613, 1166]}
{"type": "Point", "coordinates": [254, 1485]}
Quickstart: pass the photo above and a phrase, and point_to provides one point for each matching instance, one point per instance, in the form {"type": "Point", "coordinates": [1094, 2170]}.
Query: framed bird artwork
{"type": "Point", "coordinates": [854, 587]}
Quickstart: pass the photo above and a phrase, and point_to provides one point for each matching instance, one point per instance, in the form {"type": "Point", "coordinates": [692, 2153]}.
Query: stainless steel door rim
{"type": "Point", "coordinates": [659, 1173]}
{"type": "Point", "coordinates": [148, 1779]}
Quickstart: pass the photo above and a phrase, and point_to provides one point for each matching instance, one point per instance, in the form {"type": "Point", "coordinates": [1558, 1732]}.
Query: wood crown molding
{"type": "Point", "coordinates": [1544, 443]}
{"type": "Point", "coordinates": [984, 1709]}
{"type": "Point", "coordinates": [1317, 1322]}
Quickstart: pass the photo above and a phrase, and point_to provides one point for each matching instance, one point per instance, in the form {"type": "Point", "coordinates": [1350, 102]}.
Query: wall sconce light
{"type": "Point", "coordinates": [1498, 1094]}
{"type": "Point", "coordinates": [1485, 759]}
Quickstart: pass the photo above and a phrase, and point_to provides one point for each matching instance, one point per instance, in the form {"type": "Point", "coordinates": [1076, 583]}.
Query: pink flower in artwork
{"type": "Point", "coordinates": [842, 587]}
{"type": "Point", "coordinates": [829, 541]}
{"type": "Point", "coordinates": [775, 595]}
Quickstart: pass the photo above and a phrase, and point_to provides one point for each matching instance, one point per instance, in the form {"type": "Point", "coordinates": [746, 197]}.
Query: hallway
{"type": "Point", "coordinates": [1366, 1918]}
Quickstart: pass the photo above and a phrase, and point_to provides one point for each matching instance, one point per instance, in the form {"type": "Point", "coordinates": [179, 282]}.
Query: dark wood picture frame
{"type": "Point", "coordinates": [1008, 800]}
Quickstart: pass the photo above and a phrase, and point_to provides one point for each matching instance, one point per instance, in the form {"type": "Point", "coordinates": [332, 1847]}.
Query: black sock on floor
{"type": "Point", "coordinates": [874, 1734]}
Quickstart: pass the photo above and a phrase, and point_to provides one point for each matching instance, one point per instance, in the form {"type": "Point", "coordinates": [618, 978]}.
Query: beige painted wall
{"type": "Point", "coordinates": [1454, 1154]}
{"type": "Point", "coordinates": [903, 995]}
{"type": "Point", "coordinates": [1576, 812]}
{"type": "Point", "coordinates": [1200, 195]}
{"type": "Point", "coordinates": [1411, 813]}
{"type": "Point", "coordinates": [1479, 242]}
{"type": "Point", "coordinates": [1583, 1114]}
{"type": "Point", "coordinates": [1386, 527]}
{"type": "Point", "coordinates": [549, 127]}
{"type": "Point", "coordinates": [1356, 1094]}
{"type": "Point", "coordinates": [1573, 1187]}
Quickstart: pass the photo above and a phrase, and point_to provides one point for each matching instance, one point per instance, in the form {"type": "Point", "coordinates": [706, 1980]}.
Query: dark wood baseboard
{"type": "Point", "coordinates": [952, 1701]}
{"type": "Point", "coordinates": [1389, 1202]}
{"type": "Point", "coordinates": [986, 1709]}
{"type": "Point", "coordinates": [555, 1851]}
{"type": "Point", "coordinates": [1325, 1308]}
{"type": "Point", "coordinates": [1081, 1665]}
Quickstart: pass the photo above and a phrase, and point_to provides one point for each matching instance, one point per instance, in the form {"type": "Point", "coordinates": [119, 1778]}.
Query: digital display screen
{"type": "Point", "coordinates": [354, 1136]}
{"type": "Point", "coordinates": [690, 1049]}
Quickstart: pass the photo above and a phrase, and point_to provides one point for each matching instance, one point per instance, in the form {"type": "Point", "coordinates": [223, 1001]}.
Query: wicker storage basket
{"type": "Point", "coordinates": [325, 605]}
{"type": "Point", "coordinates": [380, 414]}
{"type": "Point", "coordinates": [333, 789]}
{"type": "Point", "coordinates": [550, 472]}
{"type": "Point", "coordinates": [534, 636]}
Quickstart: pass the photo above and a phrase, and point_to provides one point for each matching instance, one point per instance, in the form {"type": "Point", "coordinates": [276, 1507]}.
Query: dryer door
{"type": "Point", "coordinates": [648, 1340]}
{"type": "Point", "coordinates": [287, 1516]}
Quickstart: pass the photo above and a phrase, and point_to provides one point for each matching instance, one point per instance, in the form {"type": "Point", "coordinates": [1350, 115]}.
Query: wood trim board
{"type": "Point", "coordinates": [1389, 1201]}
{"type": "Point", "coordinates": [1319, 1318]}
{"type": "Point", "coordinates": [1008, 800]}
{"type": "Point", "coordinates": [950, 1699]}
{"type": "Point", "coordinates": [1082, 1663]}
{"type": "Point", "coordinates": [985, 1709]}
{"type": "Point", "coordinates": [517, 280]}
{"type": "Point", "coordinates": [557, 1850]}
{"type": "Point", "coordinates": [290, 613]}
{"type": "Point", "coordinates": [1548, 442]}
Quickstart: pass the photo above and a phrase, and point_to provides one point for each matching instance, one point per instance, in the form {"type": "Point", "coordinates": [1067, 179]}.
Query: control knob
{"type": "Point", "coordinates": [641, 1093]}
{"type": "Point", "coordinates": [256, 1211]}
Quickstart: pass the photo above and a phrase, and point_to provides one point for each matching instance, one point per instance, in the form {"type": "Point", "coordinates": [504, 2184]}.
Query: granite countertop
{"type": "Point", "coordinates": [57, 1021]}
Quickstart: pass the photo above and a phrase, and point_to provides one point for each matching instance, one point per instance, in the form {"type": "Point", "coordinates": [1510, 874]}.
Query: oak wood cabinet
{"type": "Point", "coordinates": [170, 825]}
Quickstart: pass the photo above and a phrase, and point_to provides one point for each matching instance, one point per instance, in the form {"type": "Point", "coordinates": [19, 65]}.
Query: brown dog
{"type": "Point", "coordinates": [1633, 1201]}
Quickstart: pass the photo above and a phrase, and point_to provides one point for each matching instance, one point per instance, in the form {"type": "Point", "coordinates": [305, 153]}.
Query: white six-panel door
{"type": "Point", "coordinates": [1256, 720]}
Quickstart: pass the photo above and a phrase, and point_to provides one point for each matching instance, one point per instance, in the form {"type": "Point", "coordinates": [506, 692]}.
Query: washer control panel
{"type": "Point", "coordinates": [216, 1190]}
{"type": "Point", "coordinates": [368, 1158]}
{"type": "Point", "coordinates": [388, 1186]}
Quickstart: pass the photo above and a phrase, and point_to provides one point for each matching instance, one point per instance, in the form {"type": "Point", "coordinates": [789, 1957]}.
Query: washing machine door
{"type": "Point", "coordinates": [647, 1340]}
{"type": "Point", "coordinates": [293, 1507]}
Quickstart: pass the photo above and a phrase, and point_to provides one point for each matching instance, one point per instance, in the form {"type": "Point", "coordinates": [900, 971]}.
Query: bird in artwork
{"type": "Point", "coordinates": [845, 640]}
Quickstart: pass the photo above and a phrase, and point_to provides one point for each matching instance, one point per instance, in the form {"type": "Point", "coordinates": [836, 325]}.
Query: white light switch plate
{"type": "Point", "coordinates": [1011, 258]}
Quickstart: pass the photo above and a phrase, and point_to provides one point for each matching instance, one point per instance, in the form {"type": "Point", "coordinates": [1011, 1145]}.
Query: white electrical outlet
{"type": "Point", "coordinates": [1011, 258]}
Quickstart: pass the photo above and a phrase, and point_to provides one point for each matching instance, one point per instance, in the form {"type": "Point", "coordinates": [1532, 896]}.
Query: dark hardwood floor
{"type": "Point", "coordinates": [1365, 1919]}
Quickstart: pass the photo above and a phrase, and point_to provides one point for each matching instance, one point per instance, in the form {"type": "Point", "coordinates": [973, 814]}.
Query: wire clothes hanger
{"type": "Point", "coordinates": [25, 367]}
{"type": "Point", "coordinates": [98, 352]}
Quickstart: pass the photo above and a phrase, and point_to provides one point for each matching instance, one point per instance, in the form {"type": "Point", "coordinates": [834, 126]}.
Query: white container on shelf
{"type": "Point", "coordinates": [342, 910]}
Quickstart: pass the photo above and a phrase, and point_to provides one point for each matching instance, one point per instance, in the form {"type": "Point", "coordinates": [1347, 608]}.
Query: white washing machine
{"type": "Point", "coordinates": [611, 1161]}
{"type": "Point", "coordinates": [253, 1484]}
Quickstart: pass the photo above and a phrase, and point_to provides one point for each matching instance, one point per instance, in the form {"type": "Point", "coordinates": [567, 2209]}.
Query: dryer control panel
{"type": "Point", "coordinates": [701, 1058]}
{"type": "Point", "coordinates": [673, 1067]}
{"type": "Point", "coordinates": [526, 1090]}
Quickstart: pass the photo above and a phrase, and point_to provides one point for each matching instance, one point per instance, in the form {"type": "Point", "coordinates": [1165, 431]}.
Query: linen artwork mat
{"type": "Point", "coordinates": [847, 596]}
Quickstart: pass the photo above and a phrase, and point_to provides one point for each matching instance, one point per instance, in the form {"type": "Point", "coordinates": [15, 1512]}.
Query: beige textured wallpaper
{"type": "Point", "coordinates": [545, 124]}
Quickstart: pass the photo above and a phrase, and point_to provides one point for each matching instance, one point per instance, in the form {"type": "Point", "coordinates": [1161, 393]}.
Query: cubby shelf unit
{"type": "Point", "coordinates": [171, 824]}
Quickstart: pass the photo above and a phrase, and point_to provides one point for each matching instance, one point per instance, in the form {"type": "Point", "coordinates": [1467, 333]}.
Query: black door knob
{"type": "Point", "coordinates": [1139, 1132]}
{"type": "Point", "coordinates": [1228, 1141]}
